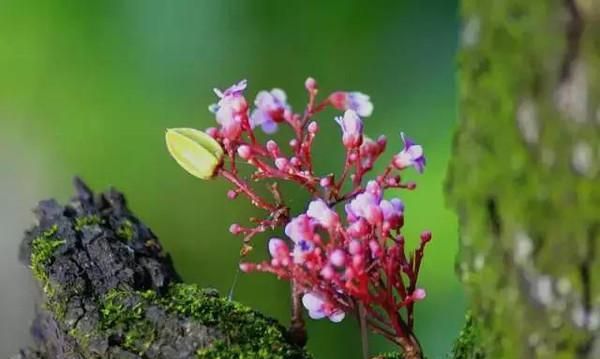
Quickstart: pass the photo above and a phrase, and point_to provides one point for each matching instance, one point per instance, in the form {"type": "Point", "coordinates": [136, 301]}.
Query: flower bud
{"type": "Point", "coordinates": [418, 294]}
{"type": "Point", "coordinates": [272, 147]}
{"type": "Point", "coordinates": [352, 129]}
{"type": "Point", "coordinates": [231, 194]}
{"type": "Point", "coordinates": [235, 229]}
{"type": "Point", "coordinates": [244, 151]}
{"type": "Point", "coordinates": [326, 181]}
{"type": "Point", "coordinates": [425, 236]}
{"type": "Point", "coordinates": [310, 84]}
{"type": "Point", "coordinates": [337, 258]}
{"type": "Point", "coordinates": [327, 272]}
{"type": "Point", "coordinates": [354, 247]}
{"type": "Point", "coordinates": [281, 163]}
{"type": "Point", "coordinates": [197, 152]}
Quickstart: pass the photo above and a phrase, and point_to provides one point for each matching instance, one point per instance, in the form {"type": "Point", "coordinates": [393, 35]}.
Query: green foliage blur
{"type": "Point", "coordinates": [89, 87]}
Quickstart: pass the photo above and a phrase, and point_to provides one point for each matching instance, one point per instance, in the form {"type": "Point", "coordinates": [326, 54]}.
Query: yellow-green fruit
{"type": "Point", "coordinates": [195, 151]}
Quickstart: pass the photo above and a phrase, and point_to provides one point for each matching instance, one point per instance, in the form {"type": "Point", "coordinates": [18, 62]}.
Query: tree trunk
{"type": "Point", "coordinates": [525, 176]}
{"type": "Point", "coordinates": [111, 292]}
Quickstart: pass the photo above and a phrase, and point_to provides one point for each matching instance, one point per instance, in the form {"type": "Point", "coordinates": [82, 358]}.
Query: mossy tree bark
{"type": "Point", "coordinates": [525, 175]}
{"type": "Point", "coordinates": [111, 292]}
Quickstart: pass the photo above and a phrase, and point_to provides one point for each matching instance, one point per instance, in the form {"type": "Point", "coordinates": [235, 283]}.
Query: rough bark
{"type": "Point", "coordinates": [525, 177]}
{"type": "Point", "coordinates": [111, 292]}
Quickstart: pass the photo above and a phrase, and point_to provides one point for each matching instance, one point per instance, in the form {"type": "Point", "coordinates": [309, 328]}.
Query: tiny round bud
{"type": "Point", "coordinates": [354, 247]}
{"type": "Point", "coordinates": [235, 229]}
{"type": "Point", "coordinates": [327, 272]}
{"type": "Point", "coordinates": [419, 294]}
{"type": "Point", "coordinates": [349, 273]}
{"type": "Point", "coordinates": [246, 267]}
{"type": "Point", "coordinates": [313, 127]}
{"type": "Point", "coordinates": [386, 227]}
{"type": "Point", "coordinates": [326, 181]}
{"type": "Point", "coordinates": [426, 236]}
{"type": "Point", "coordinates": [337, 258]}
{"type": "Point", "coordinates": [293, 143]}
{"type": "Point", "coordinates": [411, 185]}
{"type": "Point", "coordinates": [212, 132]}
{"type": "Point", "coordinates": [338, 99]}
{"type": "Point", "coordinates": [382, 142]}
{"type": "Point", "coordinates": [281, 163]}
{"type": "Point", "coordinates": [358, 260]}
{"type": "Point", "coordinates": [310, 84]}
{"type": "Point", "coordinates": [375, 248]}
{"type": "Point", "coordinates": [231, 194]}
{"type": "Point", "coordinates": [294, 161]}
{"type": "Point", "coordinates": [272, 147]}
{"type": "Point", "coordinates": [353, 156]}
{"type": "Point", "coordinates": [244, 151]}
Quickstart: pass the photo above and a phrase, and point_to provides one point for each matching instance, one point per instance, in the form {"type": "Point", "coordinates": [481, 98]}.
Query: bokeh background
{"type": "Point", "coordinates": [88, 88]}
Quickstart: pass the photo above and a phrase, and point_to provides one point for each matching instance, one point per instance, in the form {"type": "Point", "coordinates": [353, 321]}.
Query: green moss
{"type": "Point", "coordinates": [468, 343]}
{"type": "Point", "coordinates": [125, 230]}
{"type": "Point", "coordinates": [42, 250]}
{"type": "Point", "coordinates": [117, 314]}
{"type": "Point", "coordinates": [248, 333]}
{"type": "Point", "coordinates": [81, 222]}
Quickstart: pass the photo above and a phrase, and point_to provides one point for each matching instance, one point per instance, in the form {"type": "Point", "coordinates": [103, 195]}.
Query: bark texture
{"type": "Point", "coordinates": [525, 177]}
{"type": "Point", "coordinates": [111, 292]}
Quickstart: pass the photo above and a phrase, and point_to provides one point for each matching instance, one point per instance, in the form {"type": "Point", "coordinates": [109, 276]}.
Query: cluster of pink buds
{"type": "Point", "coordinates": [345, 254]}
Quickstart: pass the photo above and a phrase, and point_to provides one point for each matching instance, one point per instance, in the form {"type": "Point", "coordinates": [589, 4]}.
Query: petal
{"type": "Point", "coordinates": [337, 316]}
{"type": "Point", "coordinates": [316, 314]}
{"type": "Point", "coordinates": [262, 99]}
{"type": "Point", "coordinates": [274, 245]}
{"type": "Point", "coordinates": [415, 151]}
{"type": "Point", "coordinates": [257, 118]}
{"type": "Point", "coordinates": [269, 126]}
{"type": "Point", "coordinates": [279, 95]}
{"type": "Point", "coordinates": [312, 302]}
{"type": "Point", "coordinates": [365, 109]}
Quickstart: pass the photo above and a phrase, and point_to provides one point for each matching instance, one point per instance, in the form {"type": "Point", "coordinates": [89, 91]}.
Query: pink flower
{"type": "Point", "coordinates": [366, 205]}
{"type": "Point", "coordinates": [319, 308]}
{"type": "Point", "coordinates": [300, 228]}
{"type": "Point", "coordinates": [270, 109]}
{"type": "Point", "coordinates": [279, 252]}
{"type": "Point", "coordinates": [356, 101]}
{"type": "Point", "coordinates": [326, 217]}
{"type": "Point", "coordinates": [352, 129]}
{"type": "Point", "coordinates": [230, 109]}
{"type": "Point", "coordinates": [302, 249]}
{"type": "Point", "coordinates": [392, 211]}
{"type": "Point", "coordinates": [375, 189]}
{"type": "Point", "coordinates": [411, 155]}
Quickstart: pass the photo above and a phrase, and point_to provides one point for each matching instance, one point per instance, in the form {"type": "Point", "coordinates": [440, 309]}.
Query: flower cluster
{"type": "Point", "coordinates": [345, 254]}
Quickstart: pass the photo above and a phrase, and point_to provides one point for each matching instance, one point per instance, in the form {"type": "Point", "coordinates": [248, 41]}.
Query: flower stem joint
{"type": "Point", "coordinates": [346, 253]}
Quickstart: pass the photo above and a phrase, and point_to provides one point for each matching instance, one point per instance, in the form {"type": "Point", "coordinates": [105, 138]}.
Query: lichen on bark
{"type": "Point", "coordinates": [525, 175]}
{"type": "Point", "coordinates": [111, 292]}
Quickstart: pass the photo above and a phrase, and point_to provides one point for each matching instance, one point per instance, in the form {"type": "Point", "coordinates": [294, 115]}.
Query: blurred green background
{"type": "Point", "coordinates": [88, 88]}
